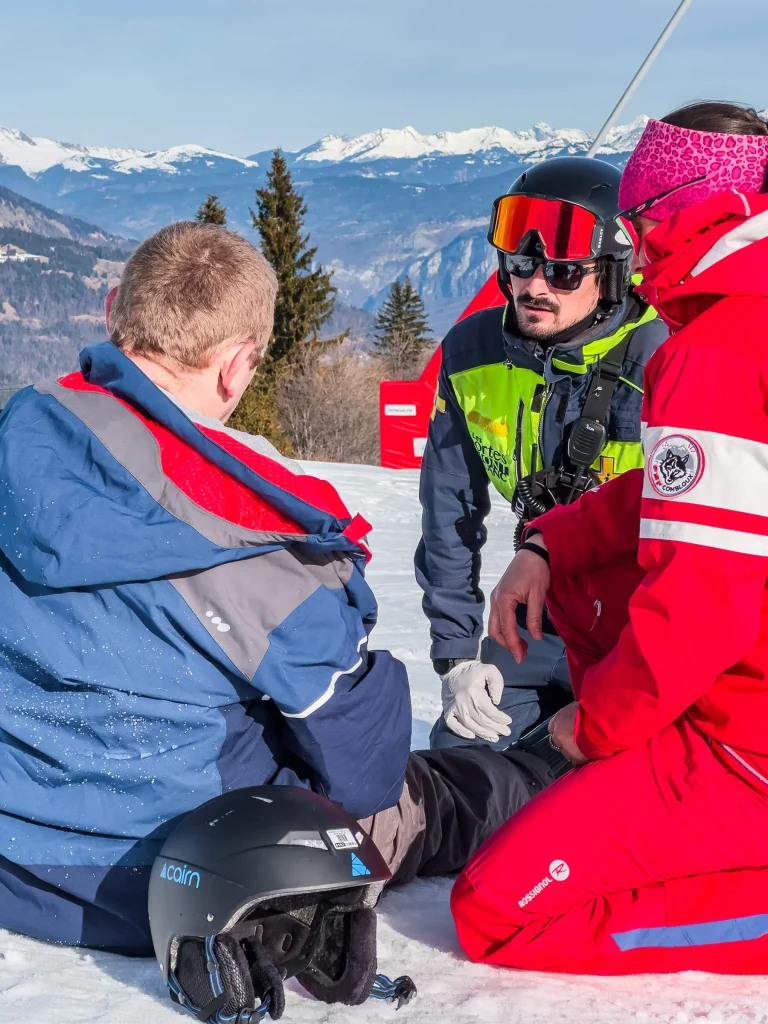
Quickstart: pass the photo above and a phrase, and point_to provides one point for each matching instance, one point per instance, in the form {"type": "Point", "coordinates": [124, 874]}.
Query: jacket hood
{"type": "Point", "coordinates": [713, 250]}
{"type": "Point", "coordinates": [107, 481]}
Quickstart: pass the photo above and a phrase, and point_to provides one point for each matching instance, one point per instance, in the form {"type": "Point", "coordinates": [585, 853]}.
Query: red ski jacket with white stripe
{"type": "Point", "coordinates": [697, 516]}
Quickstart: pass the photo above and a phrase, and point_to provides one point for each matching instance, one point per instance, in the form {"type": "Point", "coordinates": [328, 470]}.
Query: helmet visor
{"type": "Point", "coordinates": [567, 231]}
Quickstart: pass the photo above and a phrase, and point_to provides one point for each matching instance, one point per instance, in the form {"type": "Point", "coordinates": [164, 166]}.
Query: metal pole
{"type": "Point", "coordinates": [640, 75]}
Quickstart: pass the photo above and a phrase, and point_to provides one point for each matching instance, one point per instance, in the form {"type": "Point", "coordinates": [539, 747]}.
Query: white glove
{"type": "Point", "coordinates": [471, 691]}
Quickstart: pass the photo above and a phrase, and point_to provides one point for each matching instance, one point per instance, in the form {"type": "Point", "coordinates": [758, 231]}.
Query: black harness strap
{"type": "Point", "coordinates": [590, 432]}
{"type": "Point", "coordinates": [609, 369]}
{"type": "Point", "coordinates": [586, 441]}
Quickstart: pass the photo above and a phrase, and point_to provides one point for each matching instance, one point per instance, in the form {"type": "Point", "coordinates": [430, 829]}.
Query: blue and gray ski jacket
{"type": "Point", "coordinates": [179, 616]}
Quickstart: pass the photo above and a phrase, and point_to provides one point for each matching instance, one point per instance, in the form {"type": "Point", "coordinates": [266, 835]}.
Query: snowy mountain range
{"type": "Point", "coordinates": [409, 144]}
{"type": "Point", "coordinates": [36, 155]}
{"type": "Point", "coordinates": [380, 204]}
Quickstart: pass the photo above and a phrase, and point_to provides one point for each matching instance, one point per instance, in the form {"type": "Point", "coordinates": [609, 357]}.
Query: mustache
{"type": "Point", "coordinates": [537, 302]}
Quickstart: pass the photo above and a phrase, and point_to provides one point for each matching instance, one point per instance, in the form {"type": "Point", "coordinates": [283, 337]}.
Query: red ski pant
{"type": "Point", "coordinates": [653, 860]}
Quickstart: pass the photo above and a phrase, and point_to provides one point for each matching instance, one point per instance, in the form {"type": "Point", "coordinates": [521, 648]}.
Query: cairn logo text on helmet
{"type": "Point", "coordinates": [246, 860]}
{"type": "Point", "coordinates": [180, 874]}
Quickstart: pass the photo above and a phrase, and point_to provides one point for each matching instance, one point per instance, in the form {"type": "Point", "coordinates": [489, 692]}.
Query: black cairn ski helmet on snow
{"type": "Point", "coordinates": [263, 884]}
{"type": "Point", "coordinates": [565, 210]}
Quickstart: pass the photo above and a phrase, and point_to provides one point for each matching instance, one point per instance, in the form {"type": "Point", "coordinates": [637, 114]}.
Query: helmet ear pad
{"type": "Point", "coordinates": [615, 278]}
{"type": "Point", "coordinates": [343, 967]}
{"type": "Point", "coordinates": [330, 947]}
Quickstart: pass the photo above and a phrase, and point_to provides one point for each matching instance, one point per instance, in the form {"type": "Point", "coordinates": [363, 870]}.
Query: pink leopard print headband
{"type": "Point", "coordinates": [667, 156]}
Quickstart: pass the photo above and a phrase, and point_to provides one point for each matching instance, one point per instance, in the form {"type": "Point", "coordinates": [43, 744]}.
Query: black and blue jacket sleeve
{"type": "Point", "coordinates": [455, 502]}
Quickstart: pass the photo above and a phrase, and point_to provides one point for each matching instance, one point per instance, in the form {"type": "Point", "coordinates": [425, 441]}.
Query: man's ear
{"type": "Point", "coordinates": [111, 296]}
{"type": "Point", "coordinates": [236, 363]}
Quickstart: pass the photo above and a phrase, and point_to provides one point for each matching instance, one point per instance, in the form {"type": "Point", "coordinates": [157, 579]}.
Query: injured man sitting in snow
{"type": "Point", "coordinates": [185, 613]}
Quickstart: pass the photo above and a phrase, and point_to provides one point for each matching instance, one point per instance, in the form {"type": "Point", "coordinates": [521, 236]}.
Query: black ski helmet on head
{"type": "Point", "coordinates": [263, 884]}
{"type": "Point", "coordinates": [593, 185]}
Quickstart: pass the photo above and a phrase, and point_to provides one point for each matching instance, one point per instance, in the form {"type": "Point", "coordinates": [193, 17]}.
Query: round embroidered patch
{"type": "Point", "coordinates": [675, 465]}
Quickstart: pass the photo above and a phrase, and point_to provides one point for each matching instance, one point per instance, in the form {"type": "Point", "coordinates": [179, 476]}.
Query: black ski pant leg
{"type": "Point", "coordinates": [452, 801]}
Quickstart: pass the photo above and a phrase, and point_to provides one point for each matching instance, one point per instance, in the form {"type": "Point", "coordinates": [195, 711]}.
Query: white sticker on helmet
{"type": "Point", "coordinates": [342, 839]}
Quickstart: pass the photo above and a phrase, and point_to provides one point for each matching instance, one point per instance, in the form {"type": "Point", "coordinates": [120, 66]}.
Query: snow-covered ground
{"type": "Point", "coordinates": [416, 935]}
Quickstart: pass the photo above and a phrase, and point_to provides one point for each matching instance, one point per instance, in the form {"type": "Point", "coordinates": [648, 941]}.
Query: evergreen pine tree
{"type": "Point", "coordinates": [212, 212]}
{"type": "Point", "coordinates": [402, 329]}
{"type": "Point", "coordinates": [305, 297]}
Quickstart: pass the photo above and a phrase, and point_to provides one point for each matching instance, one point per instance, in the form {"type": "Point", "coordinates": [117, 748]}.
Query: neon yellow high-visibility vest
{"type": "Point", "coordinates": [490, 397]}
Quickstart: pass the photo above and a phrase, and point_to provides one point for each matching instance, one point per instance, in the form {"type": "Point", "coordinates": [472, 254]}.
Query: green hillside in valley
{"type": "Point", "coordinates": [55, 273]}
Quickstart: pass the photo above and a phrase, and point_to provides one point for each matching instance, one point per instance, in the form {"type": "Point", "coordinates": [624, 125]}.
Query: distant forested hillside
{"type": "Point", "coordinates": [53, 307]}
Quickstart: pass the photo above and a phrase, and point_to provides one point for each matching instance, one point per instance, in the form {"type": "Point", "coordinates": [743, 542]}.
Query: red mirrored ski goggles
{"type": "Point", "coordinates": [568, 232]}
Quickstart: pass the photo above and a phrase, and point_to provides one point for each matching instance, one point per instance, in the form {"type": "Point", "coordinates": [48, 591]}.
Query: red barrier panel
{"type": "Point", "coordinates": [406, 405]}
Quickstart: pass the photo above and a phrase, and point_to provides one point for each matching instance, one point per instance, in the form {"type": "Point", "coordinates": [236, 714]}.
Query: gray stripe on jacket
{"type": "Point", "coordinates": [134, 447]}
{"type": "Point", "coordinates": [241, 602]}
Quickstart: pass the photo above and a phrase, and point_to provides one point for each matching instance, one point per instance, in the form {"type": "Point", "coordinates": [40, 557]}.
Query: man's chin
{"type": "Point", "coordinates": [542, 326]}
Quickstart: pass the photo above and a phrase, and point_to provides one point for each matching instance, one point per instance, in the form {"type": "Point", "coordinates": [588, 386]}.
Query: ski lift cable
{"type": "Point", "coordinates": [640, 74]}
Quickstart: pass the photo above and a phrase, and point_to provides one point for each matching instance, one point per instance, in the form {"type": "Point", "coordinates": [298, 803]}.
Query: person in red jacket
{"type": "Point", "coordinates": [653, 856]}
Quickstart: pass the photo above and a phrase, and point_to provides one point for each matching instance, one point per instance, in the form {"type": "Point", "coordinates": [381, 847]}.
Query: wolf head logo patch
{"type": "Point", "coordinates": [675, 465]}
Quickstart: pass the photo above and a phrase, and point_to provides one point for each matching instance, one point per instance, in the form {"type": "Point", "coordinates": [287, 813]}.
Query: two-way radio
{"type": "Point", "coordinates": [537, 492]}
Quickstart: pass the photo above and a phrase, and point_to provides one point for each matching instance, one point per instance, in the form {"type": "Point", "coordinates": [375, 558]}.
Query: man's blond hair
{"type": "Point", "coordinates": [189, 288]}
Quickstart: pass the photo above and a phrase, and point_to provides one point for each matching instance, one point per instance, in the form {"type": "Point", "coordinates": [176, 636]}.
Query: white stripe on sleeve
{"type": "Point", "coordinates": [735, 473]}
{"type": "Point", "coordinates": [707, 536]}
{"type": "Point", "coordinates": [331, 689]}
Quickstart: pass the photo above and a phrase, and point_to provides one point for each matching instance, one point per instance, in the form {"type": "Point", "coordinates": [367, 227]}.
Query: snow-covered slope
{"type": "Point", "coordinates": [416, 933]}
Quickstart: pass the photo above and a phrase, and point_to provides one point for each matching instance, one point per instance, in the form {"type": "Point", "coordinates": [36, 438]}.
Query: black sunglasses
{"type": "Point", "coordinates": [566, 277]}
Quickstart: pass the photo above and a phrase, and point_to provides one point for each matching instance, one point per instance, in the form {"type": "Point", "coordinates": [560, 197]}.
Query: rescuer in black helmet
{"type": "Point", "coordinates": [541, 398]}
{"type": "Point", "coordinates": [563, 214]}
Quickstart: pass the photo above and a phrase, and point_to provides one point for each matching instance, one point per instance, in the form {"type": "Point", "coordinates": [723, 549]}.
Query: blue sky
{"type": "Point", "coordinates": [246, 75]}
